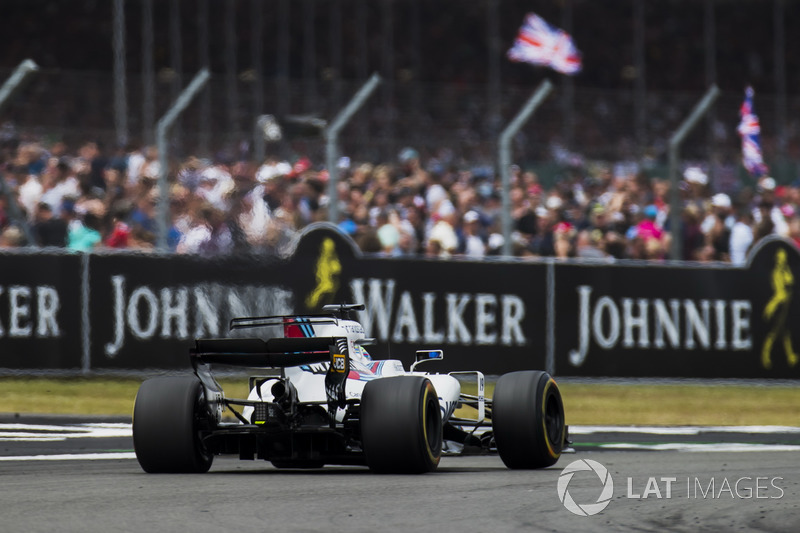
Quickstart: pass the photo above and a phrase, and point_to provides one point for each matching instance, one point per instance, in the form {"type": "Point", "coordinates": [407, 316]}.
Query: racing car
{"type": "Point", "coordinates": [317, 397]}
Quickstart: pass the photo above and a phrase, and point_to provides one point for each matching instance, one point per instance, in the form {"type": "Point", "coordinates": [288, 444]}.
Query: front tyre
{"type": "Point", "coordinates": [401, 425]}
{"type": "Point", "coordinates": [168, 415]}
{"type": "Point", "coordinates": [528, 419]}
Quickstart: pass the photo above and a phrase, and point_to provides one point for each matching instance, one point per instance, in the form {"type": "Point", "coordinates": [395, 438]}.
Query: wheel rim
{"type": "Point", "coordinates": [553, 420]}
{"type": "Point", "coordinates": [199, 426]}
{"type": "Point", "coordinates": [433, 425]}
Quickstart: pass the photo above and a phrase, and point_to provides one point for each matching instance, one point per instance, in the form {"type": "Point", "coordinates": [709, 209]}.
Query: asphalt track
{"type": "Point", "coordinates": [66, 474]}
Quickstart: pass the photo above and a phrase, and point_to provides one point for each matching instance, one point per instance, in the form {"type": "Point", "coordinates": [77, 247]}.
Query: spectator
{"type": "Point", "coordinates": [473, 244]}
{"type": "Point", "coordinates": [120, 236]}
{"type": "Point", "coordinates": [586, 245]}
{"type": "Point", "coordinates": [717, 227]}
{"type": "Point", "coordinates": [443, 231]}
{"type": "Point", "coordinates": [413, 175]}
{"type": "Point", "coordinates": [85, 236]}
{"type": "Point", "coordinates": [59, 181]}
{"type": "Point", "coordinates": [647, 229]}
{"type": "Point", "coordinates": [741, 237]}
{"type": "Point", "coordinates": [29, 191]}
{"type": "Point", "coordinates": [400, 209]}
{"type": "Point", "coordinates": [693, 238]}
{"type": "Point", "coordinates": [11, 237]}
{"type": "Point", "coordinates": [388, 234]}
{"type": "Point", "coordinates": [208, 235]}
{"type": "Point", "coordinates": [143, 217]}
{"type": "Point", "coordinates": [697, 182]}
{"type": "Point", "coordinates": [768, 207]}
{"type": "Point", "coordinates": [49, 230]}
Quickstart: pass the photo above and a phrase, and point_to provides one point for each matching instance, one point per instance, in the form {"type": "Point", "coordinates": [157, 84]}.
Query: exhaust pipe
{"type": "Point", "coordinates": [285, 395]}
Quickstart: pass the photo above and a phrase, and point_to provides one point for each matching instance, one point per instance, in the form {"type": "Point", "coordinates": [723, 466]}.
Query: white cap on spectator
{"type": "Point", "coordinates": [471, 216]}
{"type": "Point", "coordinates": [721, 200]}
{"type": "Point", "coordinates": [767, 184]}
{"type": "Point", "coordinates": [269, 171]}
{"type": "Point", "coordinates": [695, 175]}
{"type": "Point", "coordinates": [446, 208]}
{"type": "Point", "coordinates": [496, 241]}
{"type": "Point", "coordinates": [554, 202]}
{"type": "Point", "coordinates": [213, 174]}
{"type": "Point", "coordinates": [407, 154]}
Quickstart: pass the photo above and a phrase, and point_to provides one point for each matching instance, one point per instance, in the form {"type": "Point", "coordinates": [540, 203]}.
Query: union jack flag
{"type": "Point", "coordinates": [540, 43]}
{"type": "Point", "coordinates": [750, 129]}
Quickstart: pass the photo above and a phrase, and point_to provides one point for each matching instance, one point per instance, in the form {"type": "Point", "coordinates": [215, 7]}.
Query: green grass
{"type": "Point", "coordinates": [81, 396]}
{"type": "Point", "coordinates": [725, 405]}
{"type": "Point", "coordinates": [594, 404]}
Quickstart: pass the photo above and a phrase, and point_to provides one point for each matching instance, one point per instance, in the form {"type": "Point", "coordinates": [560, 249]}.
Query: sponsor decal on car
{"type": "Point", "coordinates": [338, 363]}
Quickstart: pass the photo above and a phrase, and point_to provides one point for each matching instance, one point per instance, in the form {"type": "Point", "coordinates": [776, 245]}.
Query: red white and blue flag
{"type": "Point", "coordinates": [750, 130]}
{"type": "Point", "coordinates": [540, 43]}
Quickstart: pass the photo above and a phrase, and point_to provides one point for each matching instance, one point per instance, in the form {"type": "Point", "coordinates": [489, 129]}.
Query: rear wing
{"type": "Point", "coordinates": [281, 320]}
{"type": "Point", "coordinates": [330, 316]}
{"type": "Point", "coordinates": [276, 353]}
{"type": "Point", "coordinates": [297, 347]}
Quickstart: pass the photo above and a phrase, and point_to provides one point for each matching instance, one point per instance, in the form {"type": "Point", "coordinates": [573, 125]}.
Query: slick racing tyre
{"type": "Point", "coordinates": [168, 415]}
{"type": "Point", "coordinates": [528, 419]}
{"type": "Point", "coordinates": [401, 425]}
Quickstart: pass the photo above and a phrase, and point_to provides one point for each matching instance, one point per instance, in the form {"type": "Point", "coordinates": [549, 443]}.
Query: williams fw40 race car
{"type": "Point", "coordinates": [326, 401]}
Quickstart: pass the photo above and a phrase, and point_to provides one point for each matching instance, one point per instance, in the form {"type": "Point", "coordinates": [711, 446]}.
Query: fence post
{"type": "Point", "coordinates": [162, 128]}
{"type": "Point", "coordinates": [20, 74]}
{"type": "Point", "coordinates": [331, 135]}
{"type": "Point", "coordinates": [86, 323]}
{"type": "Point", "coordinates": [13, 82]}
{"type": "Point", "coordinates": [504, 154]}
{"type": "Point", "coordinates": [120, 83]}
{"type": "Point", "coordinates": [674, 151]}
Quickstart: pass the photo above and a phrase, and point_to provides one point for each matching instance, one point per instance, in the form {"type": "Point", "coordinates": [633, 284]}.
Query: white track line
{"type": "Point", "coordinates": [71, 457]}
{"type": "Point", "coordinates": [682, 430]}
{"type": "Point", "coordinates": [704, 447]}
{"type": "Point", "coordinates": [50, 433]}
{"type": "Point", "coordinates": [40, 432]}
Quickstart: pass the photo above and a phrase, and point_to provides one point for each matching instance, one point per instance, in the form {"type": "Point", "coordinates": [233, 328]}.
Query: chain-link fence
{"type": "Point", "coordinates": [448, 90]}
{"type": "Point", "coordinates": [447, 122]}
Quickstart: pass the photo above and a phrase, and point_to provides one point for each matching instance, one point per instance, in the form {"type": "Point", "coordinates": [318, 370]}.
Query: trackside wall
{"type": "Point", "coordinates": [121, 312]}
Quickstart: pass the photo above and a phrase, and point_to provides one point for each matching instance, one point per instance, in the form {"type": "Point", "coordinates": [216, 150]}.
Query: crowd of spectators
{"type": "Point", "coordinates": [87, 199]}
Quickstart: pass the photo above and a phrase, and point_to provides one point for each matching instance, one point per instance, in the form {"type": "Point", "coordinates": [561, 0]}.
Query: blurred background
{"type": "Point", "coordinates": [110, 69]}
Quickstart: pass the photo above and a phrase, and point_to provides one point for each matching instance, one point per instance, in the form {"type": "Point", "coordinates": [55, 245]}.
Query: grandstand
{"type": "Point", "coordinates": [448, 89]}
{"type": "Point", "coordinates": [443, 61]}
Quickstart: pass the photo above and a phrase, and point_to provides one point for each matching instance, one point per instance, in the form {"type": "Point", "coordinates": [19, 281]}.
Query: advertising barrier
{"type": "Point", "coordinates": [644, 320]}
{"type": "Point", "coordinates": [121, 312]}
{"type": "Point", "coordinates": [41, 311]}
{"type": "Point", "coordinates": [147, 310]}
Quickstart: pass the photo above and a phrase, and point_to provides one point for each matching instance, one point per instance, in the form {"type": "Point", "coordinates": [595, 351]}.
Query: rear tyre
{"type": "Point", "coordinates": [401, 425]}
{"type": "Point", "coordinates": [168, 415]}
{"type": "Point", "coordinates": [528, 419]}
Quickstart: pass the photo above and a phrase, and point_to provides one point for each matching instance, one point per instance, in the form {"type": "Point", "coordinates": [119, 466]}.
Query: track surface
{"type": "Point", "coordinates": [42, 492]}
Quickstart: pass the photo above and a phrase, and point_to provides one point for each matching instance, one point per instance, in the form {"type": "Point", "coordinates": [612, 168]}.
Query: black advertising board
{"type": "Point", "coordinates": [624, 319]}
{"type": "Point", "coordinates": [664, 321]}
{"type": "Point", "coordinates": [40, 311]}
{"type": "Point", "coordinates": [487, 316]}
{"type": "Point", "coordinates": [147, 309]}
